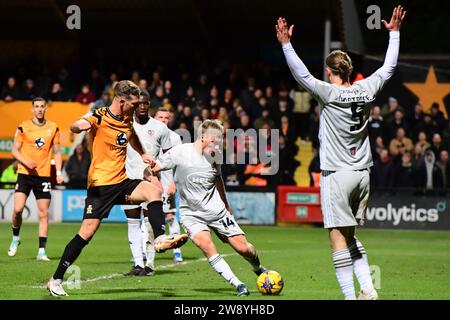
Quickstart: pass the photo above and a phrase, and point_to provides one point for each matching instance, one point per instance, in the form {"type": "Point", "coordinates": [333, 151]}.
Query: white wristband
{"type": "Point", "coordinates": [58, 173]}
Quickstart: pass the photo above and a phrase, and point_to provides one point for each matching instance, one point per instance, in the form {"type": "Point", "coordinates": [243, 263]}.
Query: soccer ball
{"type": "Point", "coordinates": [270, 283]}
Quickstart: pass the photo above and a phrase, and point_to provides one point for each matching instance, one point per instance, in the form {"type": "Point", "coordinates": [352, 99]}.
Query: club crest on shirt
{"type": "Point", "coordinates": [151, 132]}
{"type": "Point", "coordinates": [121, 139]}
{"type": "Point", "coordinates": [39, 142]}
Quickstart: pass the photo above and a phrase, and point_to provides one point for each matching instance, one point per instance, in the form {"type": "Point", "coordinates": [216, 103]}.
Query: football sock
{"type": "Point", "coordinates": [222, 268]}
{"type": "Point", "coordinates": [42, 242]}
{"type": "Point", "coordinates": [149, 247]}
{"type": "Point", "coordinates": [344, 272]}
{"type": "Point", "coordinates": [71, 253]}
{"type": "Point", "coordinates": [174, 226]}
{"type": "Point", "coordinates": [361, 266]}
{"type": "Point", "coordinates": [156, 218]}
{"type": "Point", "coordinates": [16, 231]}
{"type": "Point", "coordinates": [253, 258]}
{"type": "Point", "coordinates": [135, 240]}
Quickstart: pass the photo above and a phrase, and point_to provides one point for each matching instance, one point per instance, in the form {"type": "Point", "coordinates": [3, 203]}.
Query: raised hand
{"type": "Point", "coordinates": [396, 20]}
{"type": "Point", "coordinates": [284, 33]}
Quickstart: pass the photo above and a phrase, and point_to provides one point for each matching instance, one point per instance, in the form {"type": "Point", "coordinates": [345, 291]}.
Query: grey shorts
{"type": "Point", "coordinates": [225, 226]}
{"type": "Point", "coordinates": [344, 196]}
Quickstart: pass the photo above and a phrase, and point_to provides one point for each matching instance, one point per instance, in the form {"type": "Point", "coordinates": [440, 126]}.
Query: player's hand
{"type": "Point", "coordinates": [30, 164]}
{"type": "Point", "coordinates": [284, 33]}
{"type": "Point", "coordinates": [171, 189]}
{"type": "Point", "coordinates": [396, 20]}
{"type": "Point", "coordinates": [148, 159]}
{"type": "Point", "coordinates": [59, 180]}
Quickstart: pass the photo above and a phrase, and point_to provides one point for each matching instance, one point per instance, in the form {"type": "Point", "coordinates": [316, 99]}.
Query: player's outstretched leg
{"type": "Point", "coordinates": [19, 203]}
{"type": "Point", "coordinates": [247, 251]}
{"type": "Point", "coordinates": [174, 229]}
{"type": "Point", "coordinates": [71, 253]}
{"type": "Point", "coordinates": [157, 220]}
{"type": "Point", "coordinates": [362, 271]}
{"type": "Point", "coordinates": [342, 260]}
{"type": "Point", "coordinates": [203, 240]}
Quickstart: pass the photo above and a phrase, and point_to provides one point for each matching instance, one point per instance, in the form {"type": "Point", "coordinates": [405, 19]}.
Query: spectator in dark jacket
{"type": "Point", "coordinates": [430, 175]}
{"type": "Point", "coordinates": [57, 93]}
{"type": "Point", "coordinates": [404, 172]}
{"type": "Point", "coordinates": [438, 117]}
{"type": "Point", "coordinates": [10, 91]}
{"type": "Point", "coordinates": [444, 164]}
{"type": "Point", "coordinates": [77, 168]}
{"type": "Point", "coordinates": [382, 171]}
{"type": "Point", "coordinates": [85, 96]}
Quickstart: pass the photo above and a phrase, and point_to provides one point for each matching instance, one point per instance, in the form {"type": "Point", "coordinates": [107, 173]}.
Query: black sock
{"type": "Point", "coordinates": [42, 242]}
{"type": "Point", "coordinates": [16, 231]}
{"type": "Point", "coordinates": [71, 253]}
{"type": "Point", "coordinates": [157, 218]}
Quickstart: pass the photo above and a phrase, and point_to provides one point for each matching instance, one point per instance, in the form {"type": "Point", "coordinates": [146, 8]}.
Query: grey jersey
{"type": "Point", "coordinates": [154, 136]}
{"type": "Point", "coordinates": [344, 118]}
{"type": "Point", "coordinates": [195, 181]}
{"type": "Point", "coordinates": [343, 133]}
{"type": "Point", "coordinates": [166, 176]}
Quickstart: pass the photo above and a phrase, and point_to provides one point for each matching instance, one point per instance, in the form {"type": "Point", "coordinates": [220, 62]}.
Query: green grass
{"type": "Point", "coordinates": [413, 264]}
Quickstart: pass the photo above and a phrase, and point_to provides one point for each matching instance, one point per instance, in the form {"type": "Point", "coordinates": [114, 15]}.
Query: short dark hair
{"type": "Point", "coordinates": [144, 93]}
{"type": "Point", "coordinates": [126, 89]}
{"type": "Point", "coordinates": [38, 99]}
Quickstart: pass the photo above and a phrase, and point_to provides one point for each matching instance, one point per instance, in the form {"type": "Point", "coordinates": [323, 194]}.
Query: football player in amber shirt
{"type": "Point", "coordinates": [111, 129]}
{"type": "Point", "coordinates": [33, 144]}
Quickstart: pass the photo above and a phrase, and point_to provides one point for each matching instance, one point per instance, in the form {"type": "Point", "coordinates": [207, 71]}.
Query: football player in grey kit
{"type": "Point", "coordinates": [203, 201]}
{"type": "Point", "coordinates": [345, 155]}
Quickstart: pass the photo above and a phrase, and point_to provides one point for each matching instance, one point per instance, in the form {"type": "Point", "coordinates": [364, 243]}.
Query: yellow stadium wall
{"type": "Point", "coordinates": [62, 113]}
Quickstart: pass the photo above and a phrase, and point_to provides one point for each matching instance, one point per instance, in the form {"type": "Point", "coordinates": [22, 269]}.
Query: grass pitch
{"type": "Point", "coordinates": [412, 265]}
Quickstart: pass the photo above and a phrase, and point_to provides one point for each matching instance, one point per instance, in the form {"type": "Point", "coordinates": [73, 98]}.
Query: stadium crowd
{"type": "Point", "coordinates": [409, 146]}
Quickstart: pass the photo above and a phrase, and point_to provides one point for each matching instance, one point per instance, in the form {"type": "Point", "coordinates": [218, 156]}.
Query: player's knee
{"type": "Point", "coordinates": [18, 211]}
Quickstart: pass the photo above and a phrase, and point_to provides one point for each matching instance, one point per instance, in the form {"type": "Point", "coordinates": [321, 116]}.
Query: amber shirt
{"type": "Point", "coordinates": [37, 142]}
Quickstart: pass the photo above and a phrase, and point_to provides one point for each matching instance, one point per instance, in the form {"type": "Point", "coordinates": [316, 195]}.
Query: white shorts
{"type": "Point", "coordinates": [344, 196]}
{"type": "Point", "coordinates": [224, 227]}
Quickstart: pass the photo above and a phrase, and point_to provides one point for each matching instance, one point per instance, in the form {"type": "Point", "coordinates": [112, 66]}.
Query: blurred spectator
{"type": "Point", "coordinates": [156, 101]}
{"type": "Point", "coordinates": [77, 167]}
{"type": "Point", "coordinates": [444, 164]}
{"type": "Point", "coordinates": [287, 162]}
{"type": "Point", "coordinates": [169, 92]}
{"type": "Point", "coordinates": [232, 172]}
{"type": "Point", "coordinates": [109, 88]}
{"type": "Point", "coordinates": [271, 100]}
{"type": "Point", "coordinates": [190, 97]}
{"type": "Point", "coordinates": [223, 114]}
{"type": "Point", "coordinates": [245, 122]}
{"type": "Point", "coordinates": [202, 88]}
{"type": "Point", "coordinates": [247, 94]}
{"type": "Point", "coordinates": [10, 91]}
{"type": "Point", "coordinates": [415, 119]}
{"type": "Point", "coordinates": [264, 118]}
{"type": "Point", "coordinates": [86, 96]}
{"type": "Point", "coordinates": [377, 147]}
{"type": "Point", "coordinates": [56, 93]}
{"type": "Point", "coordinates": [387, 112]}
{"type": "Point", "coordinates": [436, 145]}
{"type": "Point", "coordinates": [376, 125]}
{"type": "Point", "coordinates": [287, 130]}
{"type": "Point", "coordinates": [422, 142]}
{"type": "Point", "coordinates": [438, 117]}
{"type": "Point", "coordinates": [400, 144]}
{"type": "Point", "coordinates": [228, 99]}
{"type": "Point", "coordinates": [397, 122]}
{"type": "Point", "coordinates": [136, 77]}
{"type": "Point", "coordinates": [104, 101]}
{"type": "Point", "coordinates": [403, 172]}
{"type": "Point", "coordinates": [382, 171]}
{"type": "Point", "coordinates": [428, 126]}
{"type": "Point", "coordinates": [97, 82]}
{"type": "Point", "coordinates": [29, 90]}
{"type": "Point", "coordinates": [9, 175]}
{"type": "Point", "coordinates": [143, 85]}
{"type": "Point", "coordinates": [430, 175]}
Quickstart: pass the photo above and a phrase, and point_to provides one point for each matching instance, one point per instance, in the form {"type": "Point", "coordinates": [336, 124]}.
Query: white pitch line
{"type": "Point", "coordinates": [115, 275]}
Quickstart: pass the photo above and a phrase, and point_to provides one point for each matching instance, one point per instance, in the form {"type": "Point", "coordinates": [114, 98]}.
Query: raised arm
{"type": "Point", "coordinates": [296, 65]}
{"type": "Point", "coordinates": [390, 61]}
{"type": "Point", "coordinates": [80, 125]}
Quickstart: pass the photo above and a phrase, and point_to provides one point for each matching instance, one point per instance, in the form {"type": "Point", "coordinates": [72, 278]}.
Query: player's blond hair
{"type": "Point", "coordinates": [126, 89]}
{"type": "Point", "coordinates": [340, 64]}
{"type": "Point", "coordinates": [210, 124]}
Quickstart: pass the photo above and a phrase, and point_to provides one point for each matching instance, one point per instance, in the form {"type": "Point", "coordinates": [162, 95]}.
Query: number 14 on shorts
{"type": "Point", "coordinates": [227, 221]}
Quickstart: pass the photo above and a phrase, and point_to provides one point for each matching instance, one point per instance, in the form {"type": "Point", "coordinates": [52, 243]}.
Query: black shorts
{"type": "Point", "coordinates": [101, 199]}
{"type": "Point", "coordinates": [41, 186]}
